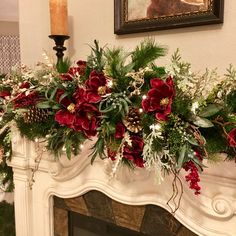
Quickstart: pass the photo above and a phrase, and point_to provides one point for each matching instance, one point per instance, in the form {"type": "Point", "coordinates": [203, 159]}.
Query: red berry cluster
{"type": "Point", "coordinates": [193, 176]}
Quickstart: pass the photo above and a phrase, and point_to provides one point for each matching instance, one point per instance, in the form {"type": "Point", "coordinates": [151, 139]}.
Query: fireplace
{"type": "Point", "coordinates": [96, 214]}
{"type": "Point", "coordinates": [213, 213]}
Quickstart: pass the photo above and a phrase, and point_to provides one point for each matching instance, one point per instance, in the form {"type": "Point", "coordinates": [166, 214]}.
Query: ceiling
{"type": "Point", "coordinates": [8, 10]}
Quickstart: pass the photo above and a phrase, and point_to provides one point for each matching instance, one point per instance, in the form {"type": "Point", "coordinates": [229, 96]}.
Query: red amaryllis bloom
{"type": "Point", "coordinates": [63, 101]}
{"type": "Point", "coordinates": [81, 66]}
{"type": "Point", "coordinates": [4, 94]}
{"type": "Point", "coordinates": [85, 95]}
{"type": "Point", "coordinates": [134, 152]}
{"type": "Point", "coordinates": [74, 72]}
{"type": "Point", "coordinates": [232, 138]}
{"type": "Point", "coordinates": [159, 98]}
{"type": "Point", "coordinates": [25, 85]}
{"type": "Point", "coordinates": [79, 113]}
{"type": "Point", "coordinates": [65, 117]}
{"type": "Point", "coordinates": [22, 100]}
{"type": "Point", "coordinates": [96, 80]}
{"type": "Point", "coordinates": [120, 131]}
{"type": "Point", "coordinates": [88, 118]}
{"type": "Point", "coordinates": [111, 154]}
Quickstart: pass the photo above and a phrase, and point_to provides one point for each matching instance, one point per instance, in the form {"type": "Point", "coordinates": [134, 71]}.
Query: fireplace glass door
{"type": "Point", "coordinates": [81, 225]}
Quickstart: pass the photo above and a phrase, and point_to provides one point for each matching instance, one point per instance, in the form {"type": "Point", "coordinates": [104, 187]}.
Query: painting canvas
{"type": "Point", "coordinates": [146, 15]}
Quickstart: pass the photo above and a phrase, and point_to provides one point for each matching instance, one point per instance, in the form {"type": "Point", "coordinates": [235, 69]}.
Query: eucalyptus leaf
{"type": "Point", "coordinates": [203, 122]}
{"type": "Point", "coordinates": [192, 141]}
{"type": "Point", "coordinates": [68, 150]}
{"type": "Point", "coordinates": [53, 93]}
{"type": "Point", "coordinates": [63, 96]}
{"type": "Point", "coordinates": [210, 110]}
{"type": "Point", "coordinates": [56, 107]}
{"type": "Point", "coordinates": [181, 156]}
{"type": "Point", "coordinates": [198, 162]}
{"type": "Point", "coordinates": [43, 105]}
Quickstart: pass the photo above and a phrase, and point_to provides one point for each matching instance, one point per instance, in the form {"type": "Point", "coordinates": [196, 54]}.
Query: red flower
{"type": "Point", "coordinates": [23, 100]}
{"type": "Point", "coordinates": [232, 138]}
{"type": "Point", "coordinates": [87, 119]}
{"type": "Point", "coordinates": [25, 85]}
{"type": "Point", "coordinates": [120, 130]}
{"type": "Point", "coordinates": [79, 113]}
{"type": "Point", "coordinates": [83, 95]}
{"type": "Point", "coordinates": [111, 154]}
{"type": "Point", "coordinates": [134, 152]}
{"type": "Point", "coordinates": [64, 101]}
{"type": "Point", "coordinates": [159, 98]}
{"type": "Point", "coordinates": [74, 72]}
{"type": "Point", "coordinates": [96, 80]}
{"type": "Point", "coordinates": [5, 94]}
{"type": "Point", "coordinates": [64, 117]}
{"type": "Point", "coordinates": [81, 66]}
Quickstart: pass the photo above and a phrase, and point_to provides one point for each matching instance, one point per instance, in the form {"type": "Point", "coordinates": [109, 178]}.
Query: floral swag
{"type": "Point", "coordinates": [163, 119]}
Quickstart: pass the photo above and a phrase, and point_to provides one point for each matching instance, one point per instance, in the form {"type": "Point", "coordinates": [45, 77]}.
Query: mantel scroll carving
{"type": "Point", "coordinates": [212, 213]}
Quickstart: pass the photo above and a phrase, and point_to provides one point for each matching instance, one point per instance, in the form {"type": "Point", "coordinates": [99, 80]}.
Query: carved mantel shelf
{"type": "Point", "coordinates": [213, 213]}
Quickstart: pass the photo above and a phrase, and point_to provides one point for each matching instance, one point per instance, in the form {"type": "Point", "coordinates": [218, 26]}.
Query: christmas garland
{"type": "Point", "coordinates": [163, 119]}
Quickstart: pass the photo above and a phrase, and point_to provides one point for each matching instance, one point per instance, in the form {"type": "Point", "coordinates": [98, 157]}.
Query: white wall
{"type": "Point", "coordinates": [204, 46]}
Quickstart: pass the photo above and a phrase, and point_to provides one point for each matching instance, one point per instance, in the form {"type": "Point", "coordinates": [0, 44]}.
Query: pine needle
{"type": "Point", "coordinates": [147, 52]}
{"type": "Point", "coordinates": [115, 66]}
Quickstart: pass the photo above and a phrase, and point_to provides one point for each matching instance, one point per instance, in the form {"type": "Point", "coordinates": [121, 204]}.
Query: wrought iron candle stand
{"type": "Point", "coordinates": [59, 48]}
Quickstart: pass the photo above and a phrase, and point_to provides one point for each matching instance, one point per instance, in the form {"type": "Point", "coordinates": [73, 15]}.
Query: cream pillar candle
{"type": "Point", "coordinates": [59, 17]}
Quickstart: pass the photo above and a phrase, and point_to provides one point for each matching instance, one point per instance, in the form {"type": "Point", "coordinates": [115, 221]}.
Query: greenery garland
{"type": "Point", "coordinates": [144, 115]}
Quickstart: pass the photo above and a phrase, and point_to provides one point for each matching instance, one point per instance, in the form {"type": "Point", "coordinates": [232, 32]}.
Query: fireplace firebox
{"type": "Point", "coordinates": [95, 214]}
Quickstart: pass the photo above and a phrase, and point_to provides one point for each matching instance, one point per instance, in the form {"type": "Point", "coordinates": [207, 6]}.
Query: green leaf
{"type": "Point", "coordinates": [210, 110]}
{"type": "Point", "coordinates": [199, 163]}
{"type": "Point", "coordinates": [43, 105]}
{"type": "Point", "coordinates": [56, 107]}
{"type": "Point", "coordinates": [68, 149]}
{"type": "Point", "coordinates": [53, 93]}
{"type": "Point", "coordinates": [181, 156]}
{"type": "Point", "coordinates": [63, 96]}
{"type": "Point", "coordinates": [193, 141]}
{"type": "Point", "coordinates": [203, 122]}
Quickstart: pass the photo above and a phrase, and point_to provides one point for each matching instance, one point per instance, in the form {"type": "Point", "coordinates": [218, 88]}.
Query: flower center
{"type": "Point", "coordinates": [71, 108]}
{"type": "Point", "coordinates": [102, 90]}
{"type": "Point", "coordinates": [164, 101]}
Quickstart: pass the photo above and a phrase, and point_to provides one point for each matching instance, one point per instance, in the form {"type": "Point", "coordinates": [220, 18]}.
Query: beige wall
{"type": "Point", "coordinates": [204, 46]}
{"type": "Point", "coordinates": [9, 28]}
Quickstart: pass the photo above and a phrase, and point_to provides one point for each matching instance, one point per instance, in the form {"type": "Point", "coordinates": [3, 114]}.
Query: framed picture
{"type": "Point", "coordinates": [132, 16]}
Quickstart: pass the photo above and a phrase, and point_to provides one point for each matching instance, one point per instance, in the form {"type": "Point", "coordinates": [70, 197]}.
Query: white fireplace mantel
{"type": "Point", "coordinates": [213, 213]}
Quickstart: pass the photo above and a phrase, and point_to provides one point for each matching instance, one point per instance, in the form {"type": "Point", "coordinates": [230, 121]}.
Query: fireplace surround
{"type": "Point", "coordinates": [213, 213]}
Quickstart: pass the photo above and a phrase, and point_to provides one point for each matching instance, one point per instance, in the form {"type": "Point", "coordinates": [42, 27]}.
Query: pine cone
{"type": "Point", "coordinates": [35, 115]}
{"type": "Point", "coordinates": [133, 121]}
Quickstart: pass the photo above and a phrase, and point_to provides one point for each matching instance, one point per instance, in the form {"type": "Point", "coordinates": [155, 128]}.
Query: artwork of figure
{"type": "Point", "coordinates": [172, 7]}
{"type": "Point", "coordinates": [141, 9]}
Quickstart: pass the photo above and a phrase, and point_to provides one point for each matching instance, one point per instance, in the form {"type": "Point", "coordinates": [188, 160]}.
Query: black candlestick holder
{"type": "Point", "coordinates": [59, 48]}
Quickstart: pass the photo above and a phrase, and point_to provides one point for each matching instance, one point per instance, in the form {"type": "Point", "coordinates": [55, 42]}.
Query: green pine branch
{"type": "Point", "coordinates": [115, 65]}
{"type": "Point", "coordinates": [96, 58]}
{"type": "Point", "coordinates": [148, 51]}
